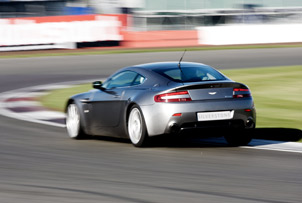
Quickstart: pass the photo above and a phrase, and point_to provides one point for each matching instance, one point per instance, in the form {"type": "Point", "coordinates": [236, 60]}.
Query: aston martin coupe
{"type": "Point", "coordinates": [147, 100]}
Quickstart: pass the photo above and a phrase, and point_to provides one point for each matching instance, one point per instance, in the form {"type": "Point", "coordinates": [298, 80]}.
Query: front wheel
{"type": "Point", "coordinates": [137, 128]}
{"type": "Point", "coordinates": [73, 122]}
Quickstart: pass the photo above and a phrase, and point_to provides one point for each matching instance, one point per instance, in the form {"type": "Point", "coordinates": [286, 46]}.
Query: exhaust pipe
{"type": "Point", "coordinates": [174, 128]}
{"type": "Point", "coordinates": [250, 123]}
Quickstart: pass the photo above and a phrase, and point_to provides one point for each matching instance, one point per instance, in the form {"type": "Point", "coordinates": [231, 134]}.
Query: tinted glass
{"type": "Point", "coordinates": [191, 74]}
{"type": "Point", "coordinates": [120, 80]}
{"type": "Point", "coordinates": [124, 79]}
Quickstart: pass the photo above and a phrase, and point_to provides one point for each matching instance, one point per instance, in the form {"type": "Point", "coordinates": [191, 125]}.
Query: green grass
{"type": "Point", "coordinates": [43, 53]}
{"type": "Point", "coordinates": [277, 92]}
{"type": "Point", "coordinates": [57, 99]}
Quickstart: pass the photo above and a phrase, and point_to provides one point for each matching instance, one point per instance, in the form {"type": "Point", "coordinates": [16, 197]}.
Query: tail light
{"type": "Point", "coordinates": [241, 92]}
{"type": "Point", "coordinates": [173, 97]}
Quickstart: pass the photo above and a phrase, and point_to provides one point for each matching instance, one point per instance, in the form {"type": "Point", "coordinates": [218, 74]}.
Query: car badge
{"type": "Point", "coordinates": [212, 93]}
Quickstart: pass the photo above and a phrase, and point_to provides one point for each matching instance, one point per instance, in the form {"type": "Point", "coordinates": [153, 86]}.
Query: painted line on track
{"type": "Point", "coordinates": [272, 145]}
{"type": "Point", "coordinates": [23, 104]}
{"type": "Point", "coordinates": [275, 146]}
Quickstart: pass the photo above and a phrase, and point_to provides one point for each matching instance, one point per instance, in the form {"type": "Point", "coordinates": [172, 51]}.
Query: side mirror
{"type": "Point", "coordinates": [98, 85]}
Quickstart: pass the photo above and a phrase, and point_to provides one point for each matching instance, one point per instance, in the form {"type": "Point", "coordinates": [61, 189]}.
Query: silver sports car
{"type": "Point", "coordinates": [153, 99]}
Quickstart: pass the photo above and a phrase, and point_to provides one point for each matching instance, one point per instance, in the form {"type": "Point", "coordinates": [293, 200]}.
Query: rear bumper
{"type": "Point", "coordinates": [160, 120]}
{"type": "Point", "coordinates": [241, 120]}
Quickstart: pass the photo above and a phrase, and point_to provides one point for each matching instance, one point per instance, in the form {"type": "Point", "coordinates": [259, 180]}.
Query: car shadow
{"type": "Point", "coordinates": [264, 136]}
{"type": "Point", "coordinates": [278, 134]}
{"type": "Point", "coordinates": [212, 139]}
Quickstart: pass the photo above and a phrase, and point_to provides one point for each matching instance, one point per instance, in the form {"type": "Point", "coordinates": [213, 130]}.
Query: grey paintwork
{"type": "Point", "coordinates": [105, 112]}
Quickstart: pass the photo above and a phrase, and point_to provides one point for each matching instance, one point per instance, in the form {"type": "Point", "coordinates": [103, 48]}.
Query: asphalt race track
{"type": "Point", "coordinates": [40, 164]}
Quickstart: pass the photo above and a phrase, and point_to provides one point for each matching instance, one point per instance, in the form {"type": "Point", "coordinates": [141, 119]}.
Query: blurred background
{"type": "Point", "coordinates": [164, 14]}
{"type": "Point", "coordinates": [134, 21]}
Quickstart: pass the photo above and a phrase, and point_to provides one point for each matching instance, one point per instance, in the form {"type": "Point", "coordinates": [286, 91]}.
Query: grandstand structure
{"type": "Point", "coordinates": [36, 8]}
{"type": "Point", "coordinates": [164, 14]}
{"type": "Point", "coordinates": [188, 14]}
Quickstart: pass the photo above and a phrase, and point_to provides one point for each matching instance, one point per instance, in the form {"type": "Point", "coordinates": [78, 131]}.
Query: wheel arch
{"type": "Point", "coordinates": [128, 113]}
{"type": "Point", "coordinates": [128, 110]}
{"type": "Point", "coordinates": [83, 118]}
{"type": "Point", "coordinates": [70, 100]}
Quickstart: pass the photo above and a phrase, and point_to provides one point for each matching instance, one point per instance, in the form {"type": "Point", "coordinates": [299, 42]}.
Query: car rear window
{"type": "Point", "coordinates": [190, 74]}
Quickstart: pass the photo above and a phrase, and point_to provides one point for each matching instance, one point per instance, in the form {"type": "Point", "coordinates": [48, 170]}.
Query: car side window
{"type": "Point", "coordinates": [122, 79]}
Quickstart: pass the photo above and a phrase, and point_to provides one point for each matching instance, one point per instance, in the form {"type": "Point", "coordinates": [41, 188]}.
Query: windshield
{"type": "Point", "coordinates": [190, 74]}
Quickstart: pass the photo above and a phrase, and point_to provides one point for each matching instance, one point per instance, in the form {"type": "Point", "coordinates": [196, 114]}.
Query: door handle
{"type": "Point", "coordinates": [86, 100]}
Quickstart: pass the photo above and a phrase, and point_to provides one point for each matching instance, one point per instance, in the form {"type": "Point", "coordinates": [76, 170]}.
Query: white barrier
{"type": "Point", "coordinates": [15, 33]}
{"type": "Point", "coordinates": [249, 34]}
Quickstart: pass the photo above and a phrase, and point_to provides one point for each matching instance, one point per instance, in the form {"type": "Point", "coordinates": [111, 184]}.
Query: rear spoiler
{"type": "Point", "coordinates": [212, 85]}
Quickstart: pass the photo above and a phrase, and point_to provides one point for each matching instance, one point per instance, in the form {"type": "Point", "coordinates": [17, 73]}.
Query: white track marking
{"type": "Point", "coordinates": [276, 146]}
{"type": "Point", "coordinates": [19, 116]}
{"type": "Point", "coordinates": [263, 145]}
{"type": "Point", "coordinates": [31, 92]}
{"type": "Point", "coordinates": [42, 115]}
{"type": "Point", "coordinates": [21, 103]}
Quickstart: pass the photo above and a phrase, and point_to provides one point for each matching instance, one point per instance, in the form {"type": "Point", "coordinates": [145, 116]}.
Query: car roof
{"type": "Point", "coordinates": [163, 65]}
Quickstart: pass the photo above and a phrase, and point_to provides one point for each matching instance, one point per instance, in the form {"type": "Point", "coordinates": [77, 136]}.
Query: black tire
{"type": "Point", "coordinates": [74, 122]}
{"type": "Point", "coordinates": [239, 137]}
{"type": "Point", "coordinates": [136, 127]}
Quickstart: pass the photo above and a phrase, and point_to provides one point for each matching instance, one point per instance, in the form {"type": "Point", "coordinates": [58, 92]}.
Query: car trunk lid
{"type": "Point", "coordinates": [220, 90]}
